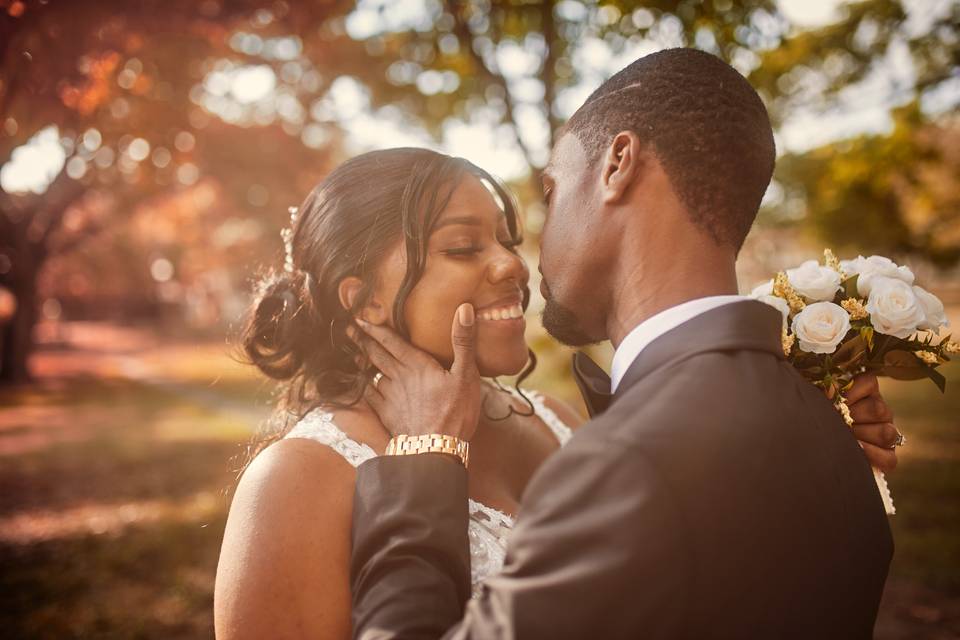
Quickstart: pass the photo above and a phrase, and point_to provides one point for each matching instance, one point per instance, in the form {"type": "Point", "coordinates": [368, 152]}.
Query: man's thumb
{"type": "Point", "coordinates": [464, 339]}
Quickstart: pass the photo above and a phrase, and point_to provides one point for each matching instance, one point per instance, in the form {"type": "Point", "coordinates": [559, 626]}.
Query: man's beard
{"type": "Point", "coordinates": [561, 323]}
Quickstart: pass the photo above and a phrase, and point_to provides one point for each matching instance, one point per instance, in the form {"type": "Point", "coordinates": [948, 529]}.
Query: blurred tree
{"type": "Point", "coordinates": [892, 194]}
{"type": "Point", "coordinates": [153, 97]}
{"type": "Point", "coordinates": [519, 61]}
{"type": "Point", "coordinates": [122, 83]}
{"type": "Point", "coordinates": [519, 64]}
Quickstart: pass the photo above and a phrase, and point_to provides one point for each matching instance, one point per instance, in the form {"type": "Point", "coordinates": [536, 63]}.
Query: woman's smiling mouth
{"type": "Point", "coordinates": [500, 314]}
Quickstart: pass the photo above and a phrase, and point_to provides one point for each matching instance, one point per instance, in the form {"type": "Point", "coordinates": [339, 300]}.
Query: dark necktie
{"type": "Point", "coordinates": [594, 383]}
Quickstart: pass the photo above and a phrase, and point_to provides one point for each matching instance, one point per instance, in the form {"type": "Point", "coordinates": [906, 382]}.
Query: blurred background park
{"type": "Point", "coordinates": [149, 151]}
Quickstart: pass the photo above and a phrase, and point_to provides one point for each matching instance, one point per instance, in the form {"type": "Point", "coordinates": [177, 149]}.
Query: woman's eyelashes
{"type": "Point", "coordinates": [473, 248]}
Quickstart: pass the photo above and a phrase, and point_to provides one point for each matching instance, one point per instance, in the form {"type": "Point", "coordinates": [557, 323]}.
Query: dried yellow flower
{"type": "Point", "coordinates": [787, 340]}
{"type": "Point", "coordinates": [841, 405]}
{"type": "Point", "coordinates": [831, 260]}
{"type": "Point", "coordinates": [927, 356]}
{"type": "Point", "coordinates": [855, 307]}
{"type": "Point", "coordinates": [783, 289]}
{"type": "Point", "coordinates": [952, 347]}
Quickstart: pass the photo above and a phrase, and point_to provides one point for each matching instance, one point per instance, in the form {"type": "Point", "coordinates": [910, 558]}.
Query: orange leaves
{"type": "Point", "coordinates": [90, 95]}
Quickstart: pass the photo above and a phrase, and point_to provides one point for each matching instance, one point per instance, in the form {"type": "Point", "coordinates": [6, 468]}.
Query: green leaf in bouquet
{"type": "Point", "coordinates": [849, 286]}
{"type": "Point", "coordinates": [904, 365]}
{"type": "Point", "coordinates": [850, 353]}
{"type": "Point", "coordinates": [867, 334]}
{"type": "Point", "coordinates": [882, 344]}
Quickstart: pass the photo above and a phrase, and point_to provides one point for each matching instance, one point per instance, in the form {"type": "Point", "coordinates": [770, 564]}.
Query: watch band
{"type": "Point", "coordinates": [404, 445]}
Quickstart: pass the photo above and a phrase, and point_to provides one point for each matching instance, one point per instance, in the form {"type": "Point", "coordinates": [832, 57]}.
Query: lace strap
{"type": "Point", "coordinates": [319, 426]}
{"type": "Point", "coordinates": [494, 517]}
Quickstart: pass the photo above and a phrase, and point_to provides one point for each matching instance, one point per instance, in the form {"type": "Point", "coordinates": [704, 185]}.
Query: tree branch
{"type": "Point", "coordinates": [63, 193]}
{"type": "Point", "coordinates": [549, 65]}
{"type": "Point", "coordinates": [463, 32]}
{"type": "Point", "coordinates": [77, 240]}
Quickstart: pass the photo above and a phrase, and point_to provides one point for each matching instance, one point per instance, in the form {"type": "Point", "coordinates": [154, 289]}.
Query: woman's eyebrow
{"type": "Point", "coordinates": [468, 220]}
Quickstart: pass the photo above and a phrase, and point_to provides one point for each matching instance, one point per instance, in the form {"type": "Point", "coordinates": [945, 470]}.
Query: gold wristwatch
{"type": "Point", "coordinates": [404, 445]}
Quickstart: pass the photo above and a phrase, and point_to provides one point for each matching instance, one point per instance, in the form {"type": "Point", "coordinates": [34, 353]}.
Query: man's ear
{"type": "Point", "coordinates": [622, 165]}
{"type": "Point", "coordinates": [373, 311]}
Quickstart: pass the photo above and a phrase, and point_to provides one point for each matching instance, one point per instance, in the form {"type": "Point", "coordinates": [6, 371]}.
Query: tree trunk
{"type": "Point", "coordinates": [17, 342]}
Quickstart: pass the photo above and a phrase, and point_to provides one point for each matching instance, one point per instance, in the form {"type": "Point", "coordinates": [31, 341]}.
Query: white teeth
{"type": "Point", "coordinates": [506, 313]}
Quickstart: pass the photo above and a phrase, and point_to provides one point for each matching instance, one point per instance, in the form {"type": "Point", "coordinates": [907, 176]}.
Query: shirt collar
{"type": "Point", "coordinates": [657, 325]}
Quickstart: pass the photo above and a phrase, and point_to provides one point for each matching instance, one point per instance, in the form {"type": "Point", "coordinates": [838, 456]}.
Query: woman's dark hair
{"type": "Point", "coordinates": [296, 331]}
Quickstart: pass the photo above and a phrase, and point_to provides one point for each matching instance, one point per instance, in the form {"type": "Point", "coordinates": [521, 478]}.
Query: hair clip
{"type": "Point", "coordinates": [287, 236]}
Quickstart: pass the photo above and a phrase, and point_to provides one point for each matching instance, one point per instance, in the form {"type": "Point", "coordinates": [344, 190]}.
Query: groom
{"type": "Point", "coordinates": [716, 493]}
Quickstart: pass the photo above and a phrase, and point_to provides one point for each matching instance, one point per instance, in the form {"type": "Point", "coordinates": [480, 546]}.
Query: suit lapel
{"type": "Point", "coordinates": [747, 325]}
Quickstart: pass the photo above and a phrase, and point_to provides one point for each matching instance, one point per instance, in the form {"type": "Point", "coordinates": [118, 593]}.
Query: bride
{"type": "Point", "coordinates": [399, 237]}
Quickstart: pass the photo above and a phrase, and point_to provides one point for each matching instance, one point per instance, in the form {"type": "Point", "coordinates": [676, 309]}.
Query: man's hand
{"type": "Point", "coordinates": [873, 422]}
{"type": "Point", "coordinates": [416, 395]}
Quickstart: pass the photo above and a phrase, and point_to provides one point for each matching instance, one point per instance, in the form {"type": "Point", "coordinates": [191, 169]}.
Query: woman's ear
{"type": "Point", "coordinates": [622, 165]}
{"type": "Point", "coordinates": [373, 311]}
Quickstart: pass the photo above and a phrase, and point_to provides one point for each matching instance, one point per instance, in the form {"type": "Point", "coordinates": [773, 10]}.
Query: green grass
{"type": "Point", "coordinates": [124, 505]}
{"type": "Point", "coordinates": [926, 485]}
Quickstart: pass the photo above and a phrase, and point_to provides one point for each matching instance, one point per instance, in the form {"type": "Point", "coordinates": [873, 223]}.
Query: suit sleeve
{"type": "Point", "coordinates": [597, 552]}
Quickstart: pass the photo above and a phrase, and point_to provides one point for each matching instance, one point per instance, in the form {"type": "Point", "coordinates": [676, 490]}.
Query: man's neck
{"type": "Point", "coordinates": [642, 294]}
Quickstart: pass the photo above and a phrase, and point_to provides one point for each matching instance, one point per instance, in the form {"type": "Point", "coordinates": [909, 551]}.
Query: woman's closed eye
{"type": "Point", "coordinates": [462, 251]}
{"type": "Point", "coordinates": [470, 249]}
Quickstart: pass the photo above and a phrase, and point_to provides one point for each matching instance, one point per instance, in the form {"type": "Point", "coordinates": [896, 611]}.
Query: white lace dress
{"type": "Point", "coordinates": [488, 528]}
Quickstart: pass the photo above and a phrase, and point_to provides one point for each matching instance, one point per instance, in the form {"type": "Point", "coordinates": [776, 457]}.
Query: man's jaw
{"type": "Point", "coordinates": [562, 323]}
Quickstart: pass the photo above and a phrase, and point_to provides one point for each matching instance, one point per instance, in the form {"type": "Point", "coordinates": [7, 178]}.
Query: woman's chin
{"type": "Point", "coordinates": [493, 365]}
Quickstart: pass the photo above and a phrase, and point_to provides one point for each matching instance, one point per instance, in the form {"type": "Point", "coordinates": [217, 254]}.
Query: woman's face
{"type": "Point", "coordinates": [470, 258]}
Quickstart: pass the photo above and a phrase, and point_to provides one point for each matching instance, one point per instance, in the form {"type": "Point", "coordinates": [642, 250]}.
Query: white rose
{"type": "Point", "coordinates": [765, 289]}
{"type": "Point", "coordinates": [813, 281]}
{"type": "Point", "coordinates": [933, 312]}
{"type": "Point", "coordinates": [894, 308]}
{"type": "Point", "coordinates": [872, 268]}
{"type": "Point", "coordinates": [821, 326]}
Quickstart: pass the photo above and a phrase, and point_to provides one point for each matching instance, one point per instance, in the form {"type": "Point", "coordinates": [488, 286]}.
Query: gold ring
{"type": "Point", "coordinates": [376, 379]}
{"type": "Point", "coordinates": [900, 441]}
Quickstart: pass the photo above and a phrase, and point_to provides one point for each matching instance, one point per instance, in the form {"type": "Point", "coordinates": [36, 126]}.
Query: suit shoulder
{"type": "Point", "coordinates": [703, 391]}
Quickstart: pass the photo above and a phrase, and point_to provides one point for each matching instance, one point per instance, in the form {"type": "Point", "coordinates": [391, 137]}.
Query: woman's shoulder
{"type": "Point", "coordinates": [550, 408]}
{"type": "Point", "coordinates": [294, 475]}
{"type": "Point", "coordinates": [286, 544]}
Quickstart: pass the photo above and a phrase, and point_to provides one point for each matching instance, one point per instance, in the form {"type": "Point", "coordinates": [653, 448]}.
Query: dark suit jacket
{"type": "Point", "coordinates": [720, 496]}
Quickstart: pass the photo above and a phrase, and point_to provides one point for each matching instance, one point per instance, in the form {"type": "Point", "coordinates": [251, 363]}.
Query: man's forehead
{"type": "Point", "coordinates": [564, 150]}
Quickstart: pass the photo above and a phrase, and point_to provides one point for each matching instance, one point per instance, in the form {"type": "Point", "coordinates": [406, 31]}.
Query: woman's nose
{"type": "Point", "coordinates": [508, 266]}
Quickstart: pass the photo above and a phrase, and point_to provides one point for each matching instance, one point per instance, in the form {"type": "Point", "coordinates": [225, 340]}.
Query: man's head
{"type": "Point", "coordinates": [675, 151]}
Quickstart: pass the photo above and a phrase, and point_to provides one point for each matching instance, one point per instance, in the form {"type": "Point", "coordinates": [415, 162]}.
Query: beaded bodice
{"type": "Point", "coordinates": [488, 527]}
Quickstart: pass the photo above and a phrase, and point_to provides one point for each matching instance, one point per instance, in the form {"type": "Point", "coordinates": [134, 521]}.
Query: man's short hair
{"type": "Point", "coordinates": [707, 125]}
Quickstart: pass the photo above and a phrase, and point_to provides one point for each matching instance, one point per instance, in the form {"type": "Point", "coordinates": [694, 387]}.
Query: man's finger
{"type": "Point", "coordinates": [871, 409]}
{"type": "Point", "coordinates": [883, 459]}
{"type": "Point", "coordinates": [381, 358]}
{"type": "Point", "coordinates": [883, 435]}
{"type": "Point", "coordinates": [464, 337]}
{"type": "Point", "coordinates": [865, 384]}
{"type": "Point", "coordinates": [399, 348]}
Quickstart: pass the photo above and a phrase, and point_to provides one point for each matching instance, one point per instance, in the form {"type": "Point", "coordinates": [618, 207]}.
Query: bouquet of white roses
{"type": "Point", "coordinates": [847, 317]}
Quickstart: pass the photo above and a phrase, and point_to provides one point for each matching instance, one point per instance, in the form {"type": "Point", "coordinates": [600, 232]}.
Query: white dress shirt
{"type": "Point", "coordinates": [657, 325]}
